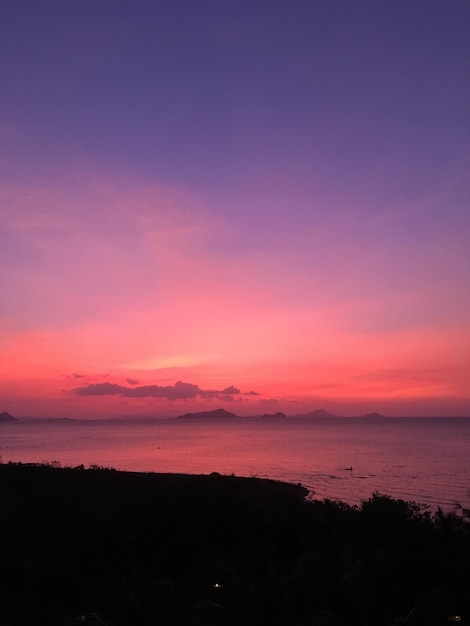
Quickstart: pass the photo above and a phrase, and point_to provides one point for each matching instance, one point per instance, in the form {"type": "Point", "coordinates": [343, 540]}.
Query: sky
{"type": "Point", "coordinates": [259, 205]}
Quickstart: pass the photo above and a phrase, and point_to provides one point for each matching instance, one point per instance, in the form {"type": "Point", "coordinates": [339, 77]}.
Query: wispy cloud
{"type": "Point", "coordinates": [145, 283]}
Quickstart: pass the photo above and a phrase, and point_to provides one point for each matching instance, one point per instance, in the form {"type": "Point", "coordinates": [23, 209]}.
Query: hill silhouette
{"type": "Point", "coordinates": [6, 417]}
{"type": "Point", "coordinates": [318, 413]}
{"type": "Point", "coordinates": [218, 414]}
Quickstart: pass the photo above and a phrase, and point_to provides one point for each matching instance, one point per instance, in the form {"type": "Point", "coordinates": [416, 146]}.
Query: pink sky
{"type": "Point", "coordinates": [114, 281]}
{"type": "Point", "coordinates": [261, 206]}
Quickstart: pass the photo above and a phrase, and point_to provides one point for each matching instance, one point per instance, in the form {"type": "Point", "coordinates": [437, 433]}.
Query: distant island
{"type": "Point", "coordinates": [219, 414]}
{"type": "Point", "coordinates": [202, 415]}
{"type": "Point", "coordinates": [319, 413]}
{"type": "Point", "coordinates": [222, 414]}
{"type": "Point", "coordinates": [322, 414]}
{"type": "Point", "coordinates": [6, 417]}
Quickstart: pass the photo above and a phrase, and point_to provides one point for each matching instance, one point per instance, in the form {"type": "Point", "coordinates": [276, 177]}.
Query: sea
{"type": "Point", "coordinates": [425, 460]}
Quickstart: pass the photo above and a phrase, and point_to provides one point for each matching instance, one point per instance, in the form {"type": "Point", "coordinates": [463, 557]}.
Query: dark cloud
{"type": "Point", "coordinates": [132, 381]}
{"type": "Point", "coordinates": [100, 389]}
{"type": "Point", "coordinates": [178, 391]}
{"type": "Point", "coordinates": [251, 393]}
{"type": "Point", "coordinates": [230, 391]}
{"type": "Point", "coordinates": [224, 394]}
{"type": "Point", "coordinates": [74, 376]}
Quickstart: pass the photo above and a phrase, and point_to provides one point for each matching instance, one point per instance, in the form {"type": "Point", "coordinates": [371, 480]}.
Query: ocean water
{"type": "Point", "coordinates": [426, 460]}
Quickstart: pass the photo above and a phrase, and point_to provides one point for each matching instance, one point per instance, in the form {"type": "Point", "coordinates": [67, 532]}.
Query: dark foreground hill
{"type": "Point", "coordinates": [105, 547]}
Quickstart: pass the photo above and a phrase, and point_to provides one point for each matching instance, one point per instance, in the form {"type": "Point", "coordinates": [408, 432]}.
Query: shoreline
{"type": "Point", "coordinates": [146, 548]}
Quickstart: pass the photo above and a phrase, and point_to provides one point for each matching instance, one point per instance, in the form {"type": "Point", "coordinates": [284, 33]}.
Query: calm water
{"type": "Point", "coordinates": [426, 460]}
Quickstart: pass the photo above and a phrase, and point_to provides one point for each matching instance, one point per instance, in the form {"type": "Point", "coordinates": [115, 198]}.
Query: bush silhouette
{"type": "Point", "coordinates": [150, 549]}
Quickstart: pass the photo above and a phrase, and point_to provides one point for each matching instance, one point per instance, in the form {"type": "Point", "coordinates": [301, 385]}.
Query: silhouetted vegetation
{"type": "Point", "coordinates": [101, 547]}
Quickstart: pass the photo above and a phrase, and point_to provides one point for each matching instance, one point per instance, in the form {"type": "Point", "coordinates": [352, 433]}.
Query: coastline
{"type": "Point", "coordinates": [421, 461]}
{"type": "Point", "coordinates": [142, 548]}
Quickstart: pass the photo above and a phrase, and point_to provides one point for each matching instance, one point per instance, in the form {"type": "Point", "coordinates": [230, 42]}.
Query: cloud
{"type": "Point", "coordinates": [230, 391]}
{"type": "Point", "coordinates": [224, 394]}
{"type": "Point", "coordinates": [132, 381]}
{"type": "Point", "coordinates": [100, 389]}
{"type": "Point", "coordinates": [179, 391]}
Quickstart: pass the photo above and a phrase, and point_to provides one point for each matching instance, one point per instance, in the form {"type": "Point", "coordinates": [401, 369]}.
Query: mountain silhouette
{"type": "Point", "coordinates": [6, 417]}
{"type": "Point", "coordinates": [319, 413]}
{"type": "Point", "coordinates": [216, 414]}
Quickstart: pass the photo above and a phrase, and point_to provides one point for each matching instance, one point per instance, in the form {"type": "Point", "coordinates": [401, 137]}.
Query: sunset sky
{"type": "Point", "coordinates": [260, 205]}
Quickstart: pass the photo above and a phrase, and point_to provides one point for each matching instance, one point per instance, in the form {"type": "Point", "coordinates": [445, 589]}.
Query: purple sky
{"type": "Point", "coordinates": [270, 196]}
